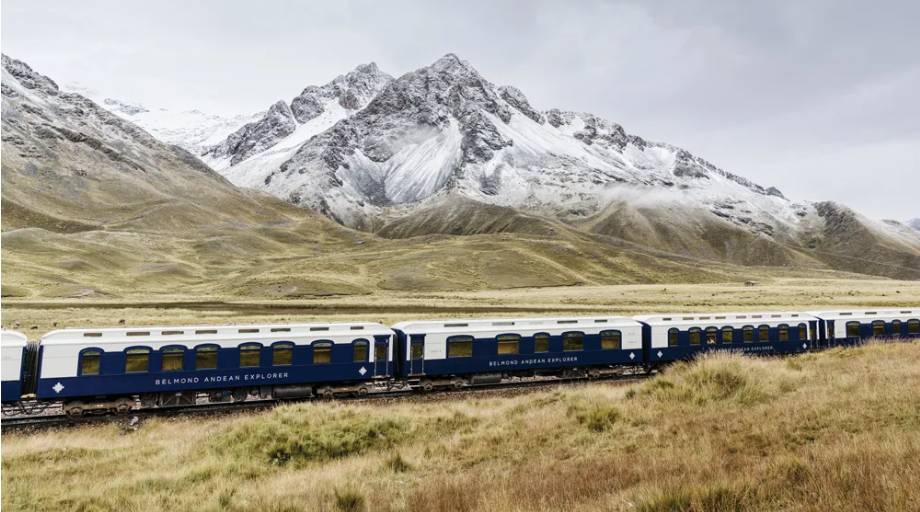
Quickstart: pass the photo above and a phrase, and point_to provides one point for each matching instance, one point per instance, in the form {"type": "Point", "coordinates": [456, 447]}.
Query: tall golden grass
{"type": "Point", "coordinates": [838, 430]}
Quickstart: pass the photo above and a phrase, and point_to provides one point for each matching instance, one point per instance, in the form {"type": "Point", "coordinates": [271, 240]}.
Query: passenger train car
{"type": "Point", "coordinates": [684, 335]}
{"type": "Point", "coordinates": [167, 366]}
{"type": "Point", "coordinates": [481, 351]}
{"type": "Point", "coordinates": [12, 353]}
{"type": "Point", "coordinates": [125, 368]}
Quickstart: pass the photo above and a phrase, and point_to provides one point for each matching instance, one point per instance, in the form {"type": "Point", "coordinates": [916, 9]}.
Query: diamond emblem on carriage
{"type": "Point", "coordinates": [632, 355]}
{"type": "Point", "coordinates": [804, 345]}
{"type": "Point", "coordinates": [362, 371]}
{"type": "Point", "coordinates": [660, 354]}
{"type": "Point", "coordinates": [58, 387]}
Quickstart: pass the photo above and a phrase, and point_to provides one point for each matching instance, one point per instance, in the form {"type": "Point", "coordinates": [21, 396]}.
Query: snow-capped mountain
{"type": "Point", "coordinates": [914, 223]}
{"type": "Point", "coordinates": [444, 129]}
{"type": "Point", "coordinates": [192, 130]}
{"type": "Point", "coordinates": [249, 154]}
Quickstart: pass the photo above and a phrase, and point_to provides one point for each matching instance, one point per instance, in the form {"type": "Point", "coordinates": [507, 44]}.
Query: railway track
{"type": "Point", "coordinates": [132, 418]}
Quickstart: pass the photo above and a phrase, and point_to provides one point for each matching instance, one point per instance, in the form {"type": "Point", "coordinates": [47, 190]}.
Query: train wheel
{"type": "Point", "coordinates": [74, 409]}
{"type": "Point", "coordinates": [427, 386]}
{"type": "Point", "coordinates": [363, 391]}
{"type": "Point", "coordinates": [325, 392]}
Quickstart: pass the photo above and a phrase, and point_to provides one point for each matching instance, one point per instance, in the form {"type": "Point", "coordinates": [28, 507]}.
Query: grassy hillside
{"type": "Point", "coordinates": [838, 430]}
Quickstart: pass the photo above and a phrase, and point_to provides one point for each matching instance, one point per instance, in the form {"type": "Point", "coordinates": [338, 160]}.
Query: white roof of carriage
{"type": "Point", "coordinates": [510, 325]}
{"type": "Point", "coordinates": [873, 313]}
{"type": "Point", "coordinates": [718, 319]}
{"type": "Point", "coordinates": [13, 339]}
{"type": "Point", "coordinates": [212, 333]}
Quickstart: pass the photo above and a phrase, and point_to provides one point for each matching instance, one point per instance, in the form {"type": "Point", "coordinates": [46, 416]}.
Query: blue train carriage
{"type": "Point", "coordinates": [843, 328]}
{"type": "Point", "coordinates": [114, 369]}
{"type": "Point", "coordinates": [12, 357]}
{"type": "Point", "coordinates": [459, 353]}
{"type": "Point", "coordinates": [682, 336]}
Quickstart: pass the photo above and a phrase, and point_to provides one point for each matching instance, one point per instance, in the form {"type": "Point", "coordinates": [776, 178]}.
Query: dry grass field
{"type": "Point", "coordinates": [37, 316]}
{"type": "Point", "coordinates": [838, 430]}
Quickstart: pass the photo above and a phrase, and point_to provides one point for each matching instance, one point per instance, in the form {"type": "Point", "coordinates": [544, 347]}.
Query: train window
{"type": "Point", "coordinates": [895, 328]}
{"type": "Point", "coordinates": [137, 360]}
{"type": "Point", "coordinates": [418, 350]}
{"type": "Point", "coordinates": [695, 335]}
{"type": "Point", "coordinates": [541, 342]}
{"type": "Point", "coordinates": [380, 352]}
{"type": "Point", "coordinates": [359, 348]}
{"type": "Point", "coordinates": [89, 361]}
{"type": "Point", "coordinates": [206, 358]}
{"type": "Point", "coordinates": [611, 340]}
{"type": "Point", "coordinates": [460, 346]}
{"type": "Point", "coordinates": [712, 335]}
{"type": "Point", "coordinates": [728, 335]}
{"type": "Point", "coordinates": [852, 329]}
{"type": "Point", "coordinates": [171, 358]}
{"type": "Point", "coordinates": [673, 337]}
{"type": "Point", "coordinates": [250, 355]}
{"type": "Point", "coordinates": [509, 344]}
{"type": "Point", "coordinates": [573, 341]}
{"type": "Point", "coordinates": [913, 327]}
{"type": "Point", "coordinates": [803, 332]}
{"type": "Point", "coordinates": [748, 333]}
{"type": "Point", "coordinates": [830, 330]}
{"type": "Point", "coordinates": [322, 352]}
{"type": "Point", "coordinates": [282, 354]}
{"type": "Point", "coordinates": [878, 328]}
{"type": "Point", "coordinates": [783, 332]}
{"type": "Point", "coordinates": [763, 333]}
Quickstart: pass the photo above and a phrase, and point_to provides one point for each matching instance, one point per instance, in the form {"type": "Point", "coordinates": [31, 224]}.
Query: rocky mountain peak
{"type": "Point", "coordinates": [315, 105]}
{"type": "Point", "coordinates": [27, 77]}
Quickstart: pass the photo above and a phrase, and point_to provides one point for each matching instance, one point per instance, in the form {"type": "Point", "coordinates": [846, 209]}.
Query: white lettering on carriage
{"type": "Point", "coordinates": [211, 379]}
{"type": "Point", "coordinates": [535, 360]}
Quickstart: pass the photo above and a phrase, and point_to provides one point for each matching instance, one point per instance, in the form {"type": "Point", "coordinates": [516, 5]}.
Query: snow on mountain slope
{"type": "Point", "coordinates": [444, 128]}
{"type": "Point", "coordinates": [247, 155]}
{"type": "Point", "coordinates": [914, 223]}
{"type": "Point", "coordinates": [192, 130]}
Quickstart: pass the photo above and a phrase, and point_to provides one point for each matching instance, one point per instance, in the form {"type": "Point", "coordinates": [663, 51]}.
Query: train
{"type": "Point", "coordinates": [123, 369]}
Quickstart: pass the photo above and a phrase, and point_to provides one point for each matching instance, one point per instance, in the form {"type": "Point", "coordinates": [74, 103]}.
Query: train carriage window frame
{"type": "Point", "coordinates": [913, 326]}
{"type": "Point", "coordinates": [360, 350]}
{"type": "Point", "coordinates": [852, 329]}
{"type": "Point", "coordinates": [573, 341]}
{"type": "Point", "coordinates": [803, 332]}
{"type": "Point", "coordinates": [541, 342]}
{"type": "Point", "coordinates": [673, 337]}
{"type": "Point", "coordinates": [282, 353]}
{"type": "Point", "coordinates": [322, 352]}
{"type": "Point", "coordinates": [695, 334]}
{"type": "Point", "coordinates": [783, 332]}
{"type": "Point", "coordinates": [895, 328]}
{"type": "Point", "coordinates": [459, 347]}
{"type": "Point", "coordinates": [250, 355]}
{"type": "Point", "coordinates": [748, 334]}
{"type": "Point", "coordinates": [728, 335]}
{"type": "Point", "coordinates": [763, 333]}
{"type": "Point", "coordinates": [611, 339]}
{"type": "Point", "coordinates": [508, 344]}
{"type": "Point", "coordinates": [877, 326]}
{"type": "Point", "coordinates": [172, 354]}
{"type": "Point", "coordinates": [204, 354]}
{"type": "Point", "coordinates": [712, 335]}
{"type": "Point", "coordinates": [137, 359]}
{"type": "Point", "coordinates": [90, 362]}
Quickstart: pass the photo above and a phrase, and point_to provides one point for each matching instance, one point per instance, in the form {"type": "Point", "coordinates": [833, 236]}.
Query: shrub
{"type": "Point", "coordinates": [349, 500]}
{"type": "Point", "coordinates": [597, 416]}
{"type": "Point", "coordinates": [301, 434]}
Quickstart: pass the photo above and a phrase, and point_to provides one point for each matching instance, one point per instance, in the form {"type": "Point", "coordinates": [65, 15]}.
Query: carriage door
{"type": "Point", "coordinates": [417, 354]}
{"type": "Point", "coordinates": [381, 356]}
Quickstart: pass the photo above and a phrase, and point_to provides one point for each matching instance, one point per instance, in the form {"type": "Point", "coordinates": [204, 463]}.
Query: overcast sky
{"type": "Point", "coordinates": [817, 98]}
